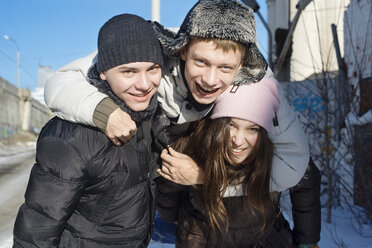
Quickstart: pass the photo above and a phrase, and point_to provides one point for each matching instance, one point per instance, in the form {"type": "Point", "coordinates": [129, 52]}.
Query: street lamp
{"type": "Point", "coordinates": [254, 5]}
{"type": "Point", "coordinates": [18, 60]}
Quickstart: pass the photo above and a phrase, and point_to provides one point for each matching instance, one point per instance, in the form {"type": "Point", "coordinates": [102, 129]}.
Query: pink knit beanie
{"type": "Point", "coordinates": [255, 102]}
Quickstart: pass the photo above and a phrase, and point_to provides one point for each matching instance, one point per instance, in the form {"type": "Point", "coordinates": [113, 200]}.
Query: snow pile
{"type": "Point", "coordinates": [355, 120]}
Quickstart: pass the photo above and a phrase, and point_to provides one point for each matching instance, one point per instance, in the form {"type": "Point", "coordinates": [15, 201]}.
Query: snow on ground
{"type": "Point", "coordinates": [16, 145]}
{"type": "Point", "coordinates": [340, 233]}
{"type": "Point", "coordinates": [16, 158]}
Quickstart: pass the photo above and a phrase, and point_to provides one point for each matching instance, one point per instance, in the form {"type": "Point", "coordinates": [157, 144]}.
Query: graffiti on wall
{"type": "Point", "coordinates": [309, 104]}
{"type": "Point", "coordinates": [305, 101]}
{"type": "Point", "coordinates": [6, 131]}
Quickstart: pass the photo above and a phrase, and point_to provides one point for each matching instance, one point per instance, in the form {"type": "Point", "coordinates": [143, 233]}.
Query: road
{"type": "Point", "coordinates": [14, 174]}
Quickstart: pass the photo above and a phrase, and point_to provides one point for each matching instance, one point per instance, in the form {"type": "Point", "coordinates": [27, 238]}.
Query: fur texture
{"type": "Point", "coordinates": [224, 19]}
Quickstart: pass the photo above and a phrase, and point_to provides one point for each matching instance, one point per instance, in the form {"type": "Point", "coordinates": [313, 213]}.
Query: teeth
{"type": "Point", "coordinates": [237, 150]}
{"type": "Point", "coordinates": [139, 95]}
{"type": "Point", "coordinates": [206, 90]}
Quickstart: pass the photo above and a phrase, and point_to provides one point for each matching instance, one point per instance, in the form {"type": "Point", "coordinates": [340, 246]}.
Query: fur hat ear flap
{"type": "Point", "coordinates": [254, 67]}
{"type": "Point", "coordinates": [170, 41]}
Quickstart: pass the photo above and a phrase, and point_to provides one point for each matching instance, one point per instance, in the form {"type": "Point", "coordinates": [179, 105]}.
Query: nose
{"type": "Point", "coordinates": [144, 82]}
{"type": "Point", "coordinates": [210, 77]}
{"type": "Point", "coordinates": [237, 138]}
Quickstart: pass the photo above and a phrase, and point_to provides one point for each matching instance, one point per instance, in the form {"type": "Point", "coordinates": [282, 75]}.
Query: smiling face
{"type": "Point", "coordinates": [243, 138]}
{"type": "Point", "coordinates": [134, 83]}
{"type": "Point", "coordinates": [209, 70]}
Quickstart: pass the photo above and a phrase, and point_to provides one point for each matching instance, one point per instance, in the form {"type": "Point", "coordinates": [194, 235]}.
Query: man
{"type": "Point", "coordinates": [83, 191]}
{"type": "Point", "coordinates": [214, 48]}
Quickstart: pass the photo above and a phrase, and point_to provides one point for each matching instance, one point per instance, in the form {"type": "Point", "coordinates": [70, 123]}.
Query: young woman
{"type": "Point", "coordinates": [233, 207]}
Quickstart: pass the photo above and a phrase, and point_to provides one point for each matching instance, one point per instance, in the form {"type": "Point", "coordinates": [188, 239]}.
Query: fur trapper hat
{"type": "Point", "coordinates": [223, 19]}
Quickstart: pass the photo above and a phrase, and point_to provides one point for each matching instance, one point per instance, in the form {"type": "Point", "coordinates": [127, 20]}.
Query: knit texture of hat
{"type": "Point", "coordinates": [126, 39]}
{"type": "Point", "coordinates": [254, 102]}
{"type": "Point", "coordinates": [222, 19]}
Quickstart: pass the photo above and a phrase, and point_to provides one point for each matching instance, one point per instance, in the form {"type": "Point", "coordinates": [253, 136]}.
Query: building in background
{"type": "Point", "coordinates": [21, 109]}
{"type": "Point", "coordinates": [327, 76]}
{"type": "Point", "coordinates": [358, 64]}
{"type": "Point", "coordinates": [44, 73]}
{"type": "Point", "coordinates": [312, 48]}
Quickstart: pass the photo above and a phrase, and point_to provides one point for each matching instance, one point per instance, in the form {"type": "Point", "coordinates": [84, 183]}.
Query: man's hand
{"type": "Point", "coordinates": [120, 127]}
{"type": "Point", "coordinates": [180, 168]}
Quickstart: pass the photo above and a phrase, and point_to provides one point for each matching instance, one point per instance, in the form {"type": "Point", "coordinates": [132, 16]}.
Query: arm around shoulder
{"type": "Point", "coordinates": [291, 148]}
{"type": "Point", "coordinates": [70, 96]}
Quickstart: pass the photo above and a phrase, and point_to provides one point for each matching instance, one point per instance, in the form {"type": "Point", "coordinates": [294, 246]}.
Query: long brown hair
{"type": "Point", "coordinates": [209, 146]}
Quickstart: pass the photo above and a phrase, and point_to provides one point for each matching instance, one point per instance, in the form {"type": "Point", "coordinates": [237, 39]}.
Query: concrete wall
{"type": "Point", "coordinates": [9, 109]}
{"type": "Point", "coordinates": [329, 140]}
{"type": "Point", "coordinates": [40, 114]}
{"type": "Point", "coordinates": [19, 111]}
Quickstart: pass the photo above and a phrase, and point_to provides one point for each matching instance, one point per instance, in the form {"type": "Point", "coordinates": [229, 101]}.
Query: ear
{"type": "Point", "coordinates": [183, 54]}
{"type": "Point", "coordinates": [240, 66]}
{"type": "Point", "coordinates": [102, 75]}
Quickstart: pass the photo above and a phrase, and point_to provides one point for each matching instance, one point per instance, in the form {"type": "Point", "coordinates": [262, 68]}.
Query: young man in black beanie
{"type": "Point", "coordinates": [84, 191]}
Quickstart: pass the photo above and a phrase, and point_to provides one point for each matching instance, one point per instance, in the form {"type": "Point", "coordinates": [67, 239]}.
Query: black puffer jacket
{"type": "Point", "coordinates": [306, 212]}
{"type": "Point", "coordinates": [85, 192]}
{"type": "Point", "coordinates": [306, 209]}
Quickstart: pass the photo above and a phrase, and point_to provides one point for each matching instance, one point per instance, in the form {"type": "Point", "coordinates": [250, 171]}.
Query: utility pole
{"type": "Point", "coordinates": [18, 60]}
{"type": "Point", "coordinates": [254, 5]}
{"type": "Point", "coordinates": [343, 97]}
{"type": "Point", "coordinates": [24, 103]}
{"type": "Point", "coordinates": [300, 7]}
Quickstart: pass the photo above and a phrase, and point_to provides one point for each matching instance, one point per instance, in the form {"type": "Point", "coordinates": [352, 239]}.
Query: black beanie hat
{"type": "Point", "coordinates": [126, 39]}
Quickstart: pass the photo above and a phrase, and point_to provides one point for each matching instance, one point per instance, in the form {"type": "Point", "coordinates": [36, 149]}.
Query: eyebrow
{"type": "Point", "coordinates": [198, 56]}
{"type": "Point", "coordinates": [126, 68]}
{"type": "Point", "coordinates": [134, 68]}
{"type": "Point", "coordinates": [250, 125]}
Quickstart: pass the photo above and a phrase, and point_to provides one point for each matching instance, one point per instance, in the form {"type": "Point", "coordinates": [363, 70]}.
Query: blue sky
{"type": "Point", "coordinates": [56, 32]}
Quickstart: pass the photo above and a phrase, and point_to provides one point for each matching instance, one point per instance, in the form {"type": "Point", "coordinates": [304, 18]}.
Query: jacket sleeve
{"type": "Point", "coordinates": [69, 95]}
{"type": "Point", "coordinates": [169, 197]}
{"type": "Point", "coordinates": [291, 149]}
{"type": "Point", "coordinates": [53, 192]}
{"type": "Point", "coordinates": [306, 211]}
